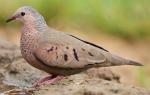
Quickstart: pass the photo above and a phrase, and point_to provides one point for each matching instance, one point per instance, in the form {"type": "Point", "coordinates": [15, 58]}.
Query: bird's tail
{"type": "Point", "coordinates": [135, 63]}
{"type": "Point", "coordinates": [113, 60]}
{"type": "Point", "coordinates": [116, 60]}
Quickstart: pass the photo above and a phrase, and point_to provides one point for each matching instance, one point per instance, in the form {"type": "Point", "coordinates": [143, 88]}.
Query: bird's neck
{"type": "Point", "coordinates": [39, 24]}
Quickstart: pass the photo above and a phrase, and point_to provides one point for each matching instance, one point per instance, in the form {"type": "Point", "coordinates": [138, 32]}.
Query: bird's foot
{"type": "Point", "coordinates": [48, 80]}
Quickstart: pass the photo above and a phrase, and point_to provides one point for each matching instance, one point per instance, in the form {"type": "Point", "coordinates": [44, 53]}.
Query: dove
{"type": "Point", "coordinates": [58, 53]}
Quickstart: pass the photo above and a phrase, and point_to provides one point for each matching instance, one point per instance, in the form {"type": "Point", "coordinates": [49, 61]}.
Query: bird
{"type": "Point", "coordinates": [58, 53]}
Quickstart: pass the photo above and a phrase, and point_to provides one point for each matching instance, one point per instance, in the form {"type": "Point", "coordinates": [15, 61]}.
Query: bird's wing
{"type": "Point", "coordinates": [89, 43]}
{"type": "Point", "coordinates": [67, 56]}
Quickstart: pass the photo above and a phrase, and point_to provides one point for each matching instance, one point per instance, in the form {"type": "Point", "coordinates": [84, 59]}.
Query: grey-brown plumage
{"type": "Point", "coordinates": [59, 53]}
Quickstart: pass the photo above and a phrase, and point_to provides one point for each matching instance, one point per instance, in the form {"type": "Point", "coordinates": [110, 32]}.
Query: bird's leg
{"type": "Point", "coordinates": [48, 80]}
{"type": "Point", "coordinates": [42, 80]}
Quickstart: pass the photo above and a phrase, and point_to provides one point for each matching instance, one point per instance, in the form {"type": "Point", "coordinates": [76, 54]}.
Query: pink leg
{"type": "Point", "coordinates": [48, 80]}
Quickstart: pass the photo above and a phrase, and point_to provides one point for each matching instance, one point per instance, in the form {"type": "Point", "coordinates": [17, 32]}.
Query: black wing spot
{"type": "Point", "coordinates": [90, 54]}
{"type": "Point", "coordinates": [75, 55]}
{"type": "Point", "coordinates": [90, 43]}
{"type": "Point", "coordinates": [56, 55]}
{"type": "Point", "coordinates": [51, 49]}
{"type": "Point", "coordinates": [65, 57]}
{"type": "Point", "coordinates": [67, 47]}
{"type": "Point", "coordinates": [56, 48]}
{"type": "Point", "coordinates": [83, 49]}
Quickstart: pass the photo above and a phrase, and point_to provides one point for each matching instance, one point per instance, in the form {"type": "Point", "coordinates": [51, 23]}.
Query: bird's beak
{"type": "Point", "coordinates": [12, 18]}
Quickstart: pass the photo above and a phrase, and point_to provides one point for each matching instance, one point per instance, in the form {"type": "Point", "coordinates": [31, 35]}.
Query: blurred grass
{"type": "Point", "coordinates": [127, 19]}
{"type": "Point", "coordinates": [142, 77]}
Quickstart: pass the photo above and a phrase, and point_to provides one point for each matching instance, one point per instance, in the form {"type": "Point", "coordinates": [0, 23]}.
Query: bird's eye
{"type": "Point", "coordinates": [22, 13]}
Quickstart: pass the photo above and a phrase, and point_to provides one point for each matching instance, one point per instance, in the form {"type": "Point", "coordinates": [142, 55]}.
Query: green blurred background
{"type": "Point", "coordinates": [121, 26]}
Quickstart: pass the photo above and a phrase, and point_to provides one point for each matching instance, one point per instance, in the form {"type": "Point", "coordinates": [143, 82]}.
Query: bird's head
{"type": "Point", "coordinates": [26, 14]}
